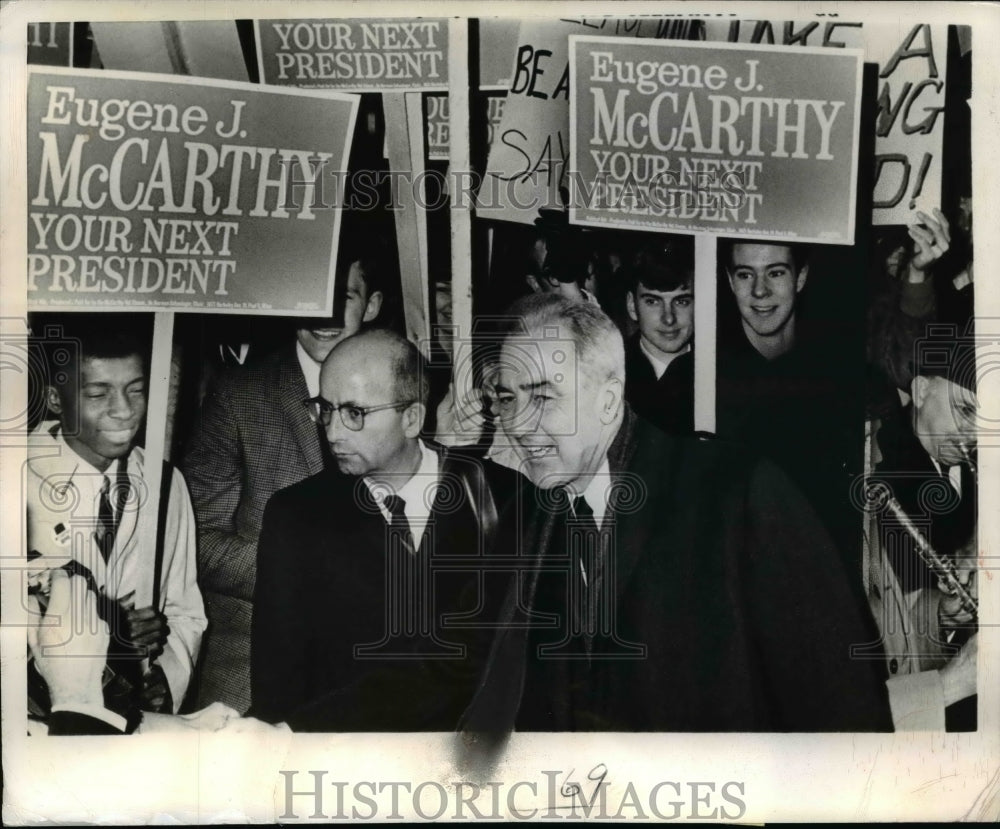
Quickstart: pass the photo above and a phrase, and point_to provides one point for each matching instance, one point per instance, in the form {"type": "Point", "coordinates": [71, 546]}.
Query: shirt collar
{"type": "Point", "coordinates": [597, 491]}
{"type": "Point", "coordinates": [68, 462]}
{"type": "Point", "coordinates": [413, 490]}
{"type": "Point", "coordinates": [418, 503]}
{"type": "Point", "coordinates": [952, 473]}
{"type": "Point", "coordinates": [310, 369]}
{"type": "Point", "coordinates": [61, 469]}
{"type": "Point", "coordinates": [659, 364]}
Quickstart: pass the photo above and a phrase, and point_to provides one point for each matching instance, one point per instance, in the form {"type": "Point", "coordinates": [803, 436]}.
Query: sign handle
{"type": "Point", "coordinates": [705, 317]}
{"type": "Point", "coordinates": [404, 139]}
{"type": "Point", "coordinates": [459, 155]}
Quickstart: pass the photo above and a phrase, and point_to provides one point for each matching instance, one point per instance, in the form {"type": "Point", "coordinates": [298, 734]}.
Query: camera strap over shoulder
{"type": "Point", "coordinates": [161, 530]}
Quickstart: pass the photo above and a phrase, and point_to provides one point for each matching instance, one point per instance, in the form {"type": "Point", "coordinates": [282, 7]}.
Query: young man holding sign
{"type": "Point", "coordinates": [787, 391]}
{"type": "Point", "coordinates": [86, 495]}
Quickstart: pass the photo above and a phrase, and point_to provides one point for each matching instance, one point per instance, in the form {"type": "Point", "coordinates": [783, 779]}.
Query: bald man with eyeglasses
{"type": "Point", "coordinates": [350, 629]}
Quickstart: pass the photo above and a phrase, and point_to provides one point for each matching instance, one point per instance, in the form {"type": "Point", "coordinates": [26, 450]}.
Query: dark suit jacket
{"type": "Point", "coordinates": [253, 437]}
{"type": "Point", "coordinates": [322, 591]}
{"type": "Point", "coordinates": [667, 402]}
{"type": "Point", "coordinates": [724, 576]}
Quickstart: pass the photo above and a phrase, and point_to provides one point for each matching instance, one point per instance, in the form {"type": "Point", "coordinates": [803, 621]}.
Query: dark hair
{"type": "Point", "coordinates": [661, 266]}
{"type": "Point", "coordinates": [799, 251]}
{"type": "Point", "coordinates": [372, 270]}
{"type": "Point", "coordinates": [564, 262]}
{"type": "Point", "coordinates": [67, 344]}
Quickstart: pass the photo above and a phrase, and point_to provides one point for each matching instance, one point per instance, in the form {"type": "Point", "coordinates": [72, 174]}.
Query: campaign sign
{"type": "Point", "coordinates": [730, 139]}
{"type": "Point", "coordinates": [527, 165]}
{"type": "Point", "coordinates": [909, 127]}
{"type": "Point", "coordinates": [159, 192]}
{"type": "Point", "coordinates": [438, 126]}
{"type": "Point", "coordinates": [355, 55]}
{"type": "Point", "coordinates": [50, 44]}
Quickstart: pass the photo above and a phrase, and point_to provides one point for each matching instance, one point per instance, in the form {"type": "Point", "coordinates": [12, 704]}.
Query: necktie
{"type": "Point", "coordinates": [122, 486]}
{"type": "Point", "coordinates": [108, 519]}
{"type": "Point", "coordinates": [400, 524]}
{"type": "Point", "coordinates": [587, 526]}
{"type": "Point", "coordinates": [409, 601]}
{"type": "Point", "coordinates": [105, 533]}
{"type": "Point", "coordinates": [591, 548]}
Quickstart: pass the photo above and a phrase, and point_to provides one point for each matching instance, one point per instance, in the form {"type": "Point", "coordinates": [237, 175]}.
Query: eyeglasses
{"type": "Point", "coordinates": [353, 417]}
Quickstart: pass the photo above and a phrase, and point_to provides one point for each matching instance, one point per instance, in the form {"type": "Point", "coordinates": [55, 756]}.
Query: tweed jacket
{"type": "Point", "coordinates": [253, 437]}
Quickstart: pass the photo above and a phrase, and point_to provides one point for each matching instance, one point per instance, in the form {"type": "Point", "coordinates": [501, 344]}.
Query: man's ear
{"type": "Point", "coordinates": [610, 400]}
{"type": "Point", "coordinates": [730, 280]}
{"type": "Point", "coordinates": [919, 387]}
{"type": "Point", "coordinates": [413, 419]}
{"type": "Point", "coordinates": [630, 306]}
{"type": "Point", "coordinates": [800, 280]}
{"type": "Point", "coordinates": [373, 307]}
{"type": "Point", "coordinates": [53, 400]}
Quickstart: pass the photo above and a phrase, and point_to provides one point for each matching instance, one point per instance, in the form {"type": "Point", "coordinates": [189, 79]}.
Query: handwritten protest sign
{"type": "Point", "coordinates": [909, 129]}
{"type": "Point", "coordinates": [723, 138]}
{"type": "Point", "coordinates": [157, 192]}
{"type": "Point", "coordinates": [50, 44]}
{"type": "Point", "coordinates": [527, 163]}
{"type": "Point", "coordinates": [835, 34]}
{"type": "Point", "coordinates": [355, 55]}
{"type": "Point", "coordinates": [497, 43]}
{"type": "Point", "coordinates": [437, 122]}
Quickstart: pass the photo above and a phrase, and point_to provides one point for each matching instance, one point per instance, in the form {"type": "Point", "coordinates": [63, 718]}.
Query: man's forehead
{"type": "Point", "coordinates": [538, 354]}
{"type": "Point", "coordinates": [95, 369]}
{"type": "Point", "coordinates": [956, 393]}
{"type": "Point", "coordinates": [343, 376]}
{"type": "Point", "coordinates": [356, 281]}
{"type": "Point", "coordinates": [746, 254]}
{"type": "Point", "coordinates": [683, 290]}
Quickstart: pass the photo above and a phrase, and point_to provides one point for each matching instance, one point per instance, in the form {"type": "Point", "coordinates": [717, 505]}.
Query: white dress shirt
{"type": "Point", "coordinates": [63, 489]}
{"type": "Point", "coordinates": [418, 493]}
{"type": "Point", "coordinates": [597, 492]}
{"type": "Point", "coordinates": [954, 475]}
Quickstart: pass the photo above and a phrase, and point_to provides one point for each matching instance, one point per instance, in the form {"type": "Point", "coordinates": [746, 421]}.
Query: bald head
{"type": "Point", "coordinates": [375, 378]}
{"type": "Point", "coordinates": [387, 359]}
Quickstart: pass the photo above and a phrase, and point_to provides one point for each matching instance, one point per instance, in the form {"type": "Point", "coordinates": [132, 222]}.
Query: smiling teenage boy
{"type": "Point", "coordinates": [86, 483]}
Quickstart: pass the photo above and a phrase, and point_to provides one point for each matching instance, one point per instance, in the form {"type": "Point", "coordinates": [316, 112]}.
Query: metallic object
{"type": "Point", "coordinates": [942, 566]}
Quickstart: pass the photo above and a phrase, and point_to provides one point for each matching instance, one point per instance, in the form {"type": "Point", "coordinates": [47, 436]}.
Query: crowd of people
{"type": "Point", "coordinates": [580, 560]}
